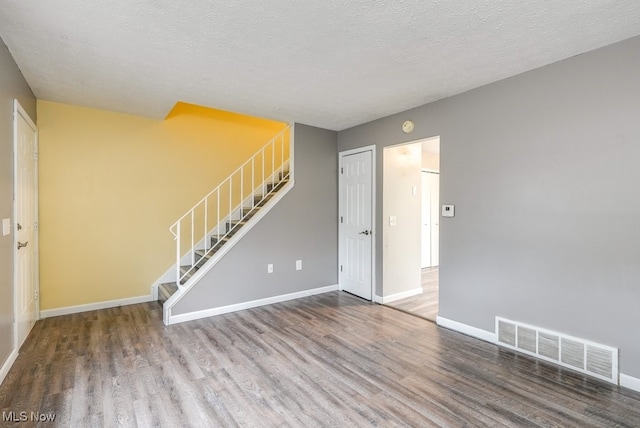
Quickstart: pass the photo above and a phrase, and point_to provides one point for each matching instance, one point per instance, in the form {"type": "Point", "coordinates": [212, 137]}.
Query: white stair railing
{"type": "Point", "coordinates": [231, 202]}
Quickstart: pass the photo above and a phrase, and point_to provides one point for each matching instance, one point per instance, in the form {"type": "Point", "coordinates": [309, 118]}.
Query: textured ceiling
{"type": "Point", "coordinates": [332, 64]}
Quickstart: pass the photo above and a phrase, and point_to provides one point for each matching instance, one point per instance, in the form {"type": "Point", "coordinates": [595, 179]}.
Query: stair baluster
{"type": "Point", "coordinates": [193, 254]}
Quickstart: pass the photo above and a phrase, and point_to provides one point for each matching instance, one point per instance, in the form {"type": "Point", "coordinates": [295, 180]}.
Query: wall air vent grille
{"type": "Point", "coordinates": [507, 333]}
{"type": "Point", "coordinates": [572, 353]}
{"type": "Point", "coordinates": [549, 346]}
{"type": "Point", "coordinates": [597, 360]}
{"type": "Point", "coordinates": [527, 339]}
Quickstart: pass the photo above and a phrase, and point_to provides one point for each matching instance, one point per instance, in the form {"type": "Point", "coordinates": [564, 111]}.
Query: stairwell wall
{"type": "Point", "coordinates": [12, 86]}
{"type": "Point", "coordinates": [303, 226]}
{"type": "Point", "coordinates": [112, 184]}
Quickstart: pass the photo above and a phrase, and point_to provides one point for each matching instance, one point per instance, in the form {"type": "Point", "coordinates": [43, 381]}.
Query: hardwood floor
{"type": "Point", "coordinates": [424, 305]}
{"type": "Point", "coordinates": [326, 360]}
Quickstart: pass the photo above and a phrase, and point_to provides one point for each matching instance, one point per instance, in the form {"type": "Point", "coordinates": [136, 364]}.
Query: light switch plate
{"type": "Point", "coordinates": [6, 226]}
{"type": "Point", "coordinates": [448, 210]}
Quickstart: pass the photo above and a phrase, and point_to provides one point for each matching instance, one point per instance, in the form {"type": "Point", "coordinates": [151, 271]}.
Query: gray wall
{"type": "Point", "coordinates": [543, 170]}
{"type": "Point", "coordinates": [12, 85]}
{"type": "Point", "coordinates": [302, 226]}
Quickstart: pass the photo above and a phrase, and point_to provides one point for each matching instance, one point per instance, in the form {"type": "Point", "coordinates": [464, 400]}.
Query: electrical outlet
{"type": "Point", "coordinates": [298, 264]}
{"type": "Point", "coordinates": [270, 268]}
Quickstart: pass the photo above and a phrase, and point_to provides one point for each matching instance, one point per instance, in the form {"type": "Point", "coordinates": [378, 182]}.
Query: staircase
{"type": "Point", "coordinates": [232, 208]}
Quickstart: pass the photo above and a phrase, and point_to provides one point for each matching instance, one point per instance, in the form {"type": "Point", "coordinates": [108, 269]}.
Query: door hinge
{"type": "Point", "coordinates": [35, 155]}
{"type": "Point", "coordinates": [37, 295]}
{"type": "Point", "coordinates": [35, 225]}
{"type": "Point", "coordinates": [341, 170]}
{"type": "Point", "coordinates": [341, 219]}
{"type": "Point", "coordinates": [340, 268]}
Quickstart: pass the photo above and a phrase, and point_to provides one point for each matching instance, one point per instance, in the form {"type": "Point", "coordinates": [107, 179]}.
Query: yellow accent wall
{"type": "Point", "coordinates": [112, 184]}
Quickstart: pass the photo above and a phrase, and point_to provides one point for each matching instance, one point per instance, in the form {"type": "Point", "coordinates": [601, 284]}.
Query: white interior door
{"type": "Point", "coordinates": [426, 220]}
{"type": "Point", "coordinates": [25, 224]}
{"type": "Point", "coordinates": [430, 232]}
{"type": "Point", "coordinates": [356, 231]}
{"type": "Point", "coordinates": [435, 219]}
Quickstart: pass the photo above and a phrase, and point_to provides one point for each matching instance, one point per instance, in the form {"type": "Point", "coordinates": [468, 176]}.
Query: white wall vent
{"type": "Point", "coordinates": [596, 360]}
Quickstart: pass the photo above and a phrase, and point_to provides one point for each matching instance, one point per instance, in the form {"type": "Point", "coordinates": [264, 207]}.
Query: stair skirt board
{"type": "Point", "coordinates": [48, 313]}
{"type": "Point", "coordinates": [175, 319]}
{"type": "Point", "coordinates": [198, 274]}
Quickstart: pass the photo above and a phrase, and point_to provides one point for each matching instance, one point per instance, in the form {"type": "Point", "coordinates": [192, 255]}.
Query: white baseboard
{"type": "Point", "coordinates": [93, 306]}
{"type": "Point", "coordinates": [403, 295]}
{"type": "Point", "coordinates": [175, 319]}
{"type": "Point", "coordinates": [630, 382]}
{"type": "Point", "coordinates": [8, 364]}
{"type": "Point", "coordinates": [478, 333]}
{"type": "Point", "coordinates": [377, 299]}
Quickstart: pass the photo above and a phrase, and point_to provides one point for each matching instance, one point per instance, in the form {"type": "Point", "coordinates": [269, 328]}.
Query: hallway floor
{"type": "Point", "coordinates": [424, 305]}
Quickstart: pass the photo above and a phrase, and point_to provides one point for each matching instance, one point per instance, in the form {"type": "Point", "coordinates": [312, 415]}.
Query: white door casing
{"type": "Point", "coordinates": [356, 231]}
{"type": "Point", "coordinates": [25, 223]}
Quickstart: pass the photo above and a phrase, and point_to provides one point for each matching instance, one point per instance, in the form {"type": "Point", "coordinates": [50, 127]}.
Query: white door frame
{"type": "Point", "coordinates": [341, 155]}
{"type": "Point", "coordinates": [18, 110]}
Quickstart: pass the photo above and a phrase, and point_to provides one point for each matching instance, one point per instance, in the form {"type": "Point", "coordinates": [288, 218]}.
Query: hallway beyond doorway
{"type": "Point", "coordinates": [424, 305]}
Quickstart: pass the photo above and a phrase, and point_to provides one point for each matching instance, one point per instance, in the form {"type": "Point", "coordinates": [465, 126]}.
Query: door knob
{"type": "Point", "coordinates": [366, 232]}
{"type": "Point", "coordinates": [21, 245]}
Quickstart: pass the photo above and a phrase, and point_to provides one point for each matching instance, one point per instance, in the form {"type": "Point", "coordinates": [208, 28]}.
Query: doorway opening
{"type": "Point", "coordinates": [411, 227]}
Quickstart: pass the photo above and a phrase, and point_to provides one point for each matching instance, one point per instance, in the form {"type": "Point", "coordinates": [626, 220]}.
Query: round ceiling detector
{"type": "Point", "coordinates": [407, 126]}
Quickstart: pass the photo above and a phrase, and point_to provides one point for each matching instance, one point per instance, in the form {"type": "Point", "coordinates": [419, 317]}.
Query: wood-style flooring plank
{"type": "Point", "coordinates": [424, 305]}
{"type": "Point", "coordinates": [330, 360]}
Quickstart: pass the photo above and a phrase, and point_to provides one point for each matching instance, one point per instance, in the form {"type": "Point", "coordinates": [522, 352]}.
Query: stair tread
{"type": "Point", "coordinates": [169, 286]}
{"type": "Point", "coordinates": [166, 290]}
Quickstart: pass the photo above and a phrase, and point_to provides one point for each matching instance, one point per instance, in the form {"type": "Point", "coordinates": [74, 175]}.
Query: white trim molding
{"type": "Point", "coordinates": [8, 364]}
{"type": "Point", "coordinates": [630, 382]}
{"type": "Point", "coordinates": [190, 316]}
{"type": "Point", "coordinates": [478, 333]}
{"type": "Point", "coordinates": [398, 296]}
{"type": "Point", "coordinates": [94, 306]}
